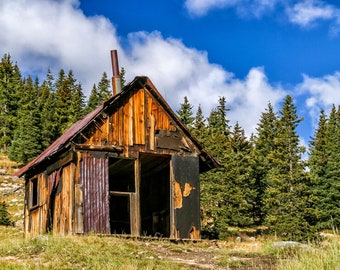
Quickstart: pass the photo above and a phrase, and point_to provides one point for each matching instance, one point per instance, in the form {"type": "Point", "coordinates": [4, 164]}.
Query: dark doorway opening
{"type": "Point", "coordinates": [121, 186]}
{"type": "Point", "coordinates": [155, 195]}
{"type": "Point", "coordinates": [120, 214]}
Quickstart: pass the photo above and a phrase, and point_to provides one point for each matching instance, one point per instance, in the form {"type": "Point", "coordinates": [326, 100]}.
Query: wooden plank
{"type": "Point", "coordinates": [78, 217]}
{"type": "Point", "coordinates": [139, 116]}
{"type": "Point", "coordinates": [130, 122]}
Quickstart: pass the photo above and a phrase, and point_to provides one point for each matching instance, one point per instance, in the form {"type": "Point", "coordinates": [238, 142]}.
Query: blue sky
{"type": "Point", "coordinates": [250, 51]}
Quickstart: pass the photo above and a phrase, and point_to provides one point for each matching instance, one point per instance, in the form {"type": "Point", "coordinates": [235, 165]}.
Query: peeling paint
{"type": "Point", "coordinates": [195, 233]}
{"type": "Point", "coordinates": [178, 199]}
{"type": "Point", "coordinates": [187, 189]}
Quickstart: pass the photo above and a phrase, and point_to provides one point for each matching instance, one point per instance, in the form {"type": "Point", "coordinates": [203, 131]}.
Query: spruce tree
{"type": "Point", "coordinates": [317, 164]}
{"type": "Point", "coordinates": [49, 119]}
{"type": "Point", "coordinates": [199, 127]}
{"type": "Point", "coordinates": [214, 187]}
{"type": "Point", "coordinates": [287, 198]}
{"type": "Point", "coordinates": [26, 143]}
{"type": "Point", "coordinates": [93, 100]}
{"type": "Point", "coordinates": [10, 86]}
{"type": "Point", "coordinates": [185, 113]}
{"type": "Point", "coordinates": [77, 108]}
{"type": "Point", "coordinates": [4, 215]}
{"type": "Point", "coordinates": [326, 175]}
{"type": "Point", "coordinates": [104, 90]}
{"type": "Point", "coordinates": [264, 144]}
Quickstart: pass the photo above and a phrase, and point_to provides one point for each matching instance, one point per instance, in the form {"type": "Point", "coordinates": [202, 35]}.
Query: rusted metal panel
{"type": "Point", "coordinates": [94, 180]}
{"type": "Point", "coordinates": [186, 196]}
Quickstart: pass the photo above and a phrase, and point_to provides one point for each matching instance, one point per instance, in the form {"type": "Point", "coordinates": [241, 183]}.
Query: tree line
{"type": "Point", "coordinates": [34, 114]}
{"type": "Point", "coordinates": [263, 180]}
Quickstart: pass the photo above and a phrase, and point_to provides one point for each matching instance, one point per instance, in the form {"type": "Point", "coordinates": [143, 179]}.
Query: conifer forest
{"type": "Point", "coordinates": [263, 182]}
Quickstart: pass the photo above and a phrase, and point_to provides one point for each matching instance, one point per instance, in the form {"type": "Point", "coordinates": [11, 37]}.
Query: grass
{"type": "Point", "coordinates": [326, 257]}
{"type": "Point", "coordinates": [96, 252]}
{"type": "Point", "coordinates": [76, 252]}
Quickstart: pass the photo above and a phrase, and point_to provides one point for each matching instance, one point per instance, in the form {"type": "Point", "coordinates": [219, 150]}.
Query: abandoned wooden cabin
{"type": "Point", "coordinates": [128, 167]}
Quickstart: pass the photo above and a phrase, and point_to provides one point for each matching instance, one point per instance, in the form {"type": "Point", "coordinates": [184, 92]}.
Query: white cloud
{"type": "Point", "coordinates": [57, 34]}
{"type": "Point", "coordinates": [202, 7]}
{"type": "Point", "coordinates": [244, 7]}
{"type": "Point", "coordinates": [323, 93]}
{"type": "Point", "coordinates": [178, 71]}
{"type": "Point", "coordinates": [306, 13]}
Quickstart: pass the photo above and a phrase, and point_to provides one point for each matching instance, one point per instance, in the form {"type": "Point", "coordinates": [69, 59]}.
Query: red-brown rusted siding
{"type": "Point", "coordinates": [94, 178]}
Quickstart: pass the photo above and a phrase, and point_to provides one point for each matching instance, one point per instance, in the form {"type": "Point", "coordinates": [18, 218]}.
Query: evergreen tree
{"type": "Point", "coordinates": [26, 143]}
{"type": "Point", "coordinates": [264, 142]}
{"type": "Point", "coordinates": [318, 163]}
{"type": "Point", "coordinates": [104, 91]}
{"type": "Point", "coordinates": [63, 102]}
{"type": "Point", "coordinates": [10, 85]}
{"type": "Point", "coordinates": [325, 171]}
{"type": "Point", "coordinates": [286, 199]}
{"type": "Point", "coordinates": [93, 100]}
{"type": "Point", "coordinates": [240, 192]}
{"type": "Point", "coordinates": [199, 127]}
{"type": "Point", "coordinates": [69, 100]}
{"type": "Point", "coordinates": [122, 76]}
{"type": "Point", "coordinates": [185, 113]}
{"type": "Point", "coordinates": [214, 189]}
{"type": "Point", "coordinates": [48, 117]}
{"type": "Point", "coordinates": [76, 110]}
{"type": "Point", "coordinates": [4, 215]}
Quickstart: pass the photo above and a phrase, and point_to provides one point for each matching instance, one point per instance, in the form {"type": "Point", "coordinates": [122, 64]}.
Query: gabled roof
{"type": "Point", "coordinates": [63, 141]}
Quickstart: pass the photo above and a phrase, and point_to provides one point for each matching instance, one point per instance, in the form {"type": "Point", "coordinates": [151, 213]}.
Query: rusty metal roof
{"type": "Point", "coordinates": [60, 144]}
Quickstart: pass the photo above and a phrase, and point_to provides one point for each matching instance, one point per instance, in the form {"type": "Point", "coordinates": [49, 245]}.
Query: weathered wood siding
{"type": "Point", "coordinates": [55, 203]}
{"type": "Point", "coordinates": [134, 123]}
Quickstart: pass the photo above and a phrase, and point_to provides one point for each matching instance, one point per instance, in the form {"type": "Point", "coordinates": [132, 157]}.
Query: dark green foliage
{"type": "Point", "coordinates": [286, 199]}
{"type": "Point", "coordinates": [104, 90]}
{"type": "Point", "coordinates": [99, 94]}
{"type": "Point", "coordinates": [264, 143]}
{"type": "Point", "coordinates": [228, 193]}
{"type": "Point", "coordinates": [4, 215]}
{"type": "Point", "coordinates": [185, 113]}
{"type": "Point", "coordinates": [26, 143]}
{"type": "Point", "coordinates": [324, 163]}
{"type": "Point", "coordinates": [10, 85]}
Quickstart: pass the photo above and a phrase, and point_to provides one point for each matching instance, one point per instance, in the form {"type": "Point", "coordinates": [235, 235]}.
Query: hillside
{"type": "Point", "coordinates": [11, 190]}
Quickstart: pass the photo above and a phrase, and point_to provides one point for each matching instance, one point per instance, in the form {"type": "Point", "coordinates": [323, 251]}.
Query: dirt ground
{"type": "Point", "coordinates": [215, 255]}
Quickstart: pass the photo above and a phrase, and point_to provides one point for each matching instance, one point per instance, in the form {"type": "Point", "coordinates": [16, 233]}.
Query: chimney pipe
{"type": "Point", "coordinates": [116, 79]}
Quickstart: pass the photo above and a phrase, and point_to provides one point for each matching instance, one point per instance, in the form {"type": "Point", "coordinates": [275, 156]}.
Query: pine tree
{"type": "Point", "coordinates": [318, 163]}
{"type": "Point", "coordinates": [49, 119]}
{"type": "Point", "coordinates": [93, 100]}
{"type": "Point", "coordinates": [287, 198]}
{"type": "Point", "coordinates": [104, 91]}
{"type": "Point", "coordinates": [199, 127]}
{"type": "Point", "coordinates": [185, 113]}
{"type": "Point", "coordinates": [76, 110]}
{"type": "Point", "coordinates": [4, 215]}
{"type": "Point", "coordinates": [325, 171]}
{"type": "Point", "coordinates": [122, 76]}
{"type": "Point", "coordinates": [264, 142]}
{"type": "Point", "coordinates": [214, 183]}
{"type": "Point", "coordinates": [10, 85]}
{"type": "Point", "coordinates": [26, 143]}
{"type": "Point", "coordinates": [240, 193]}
